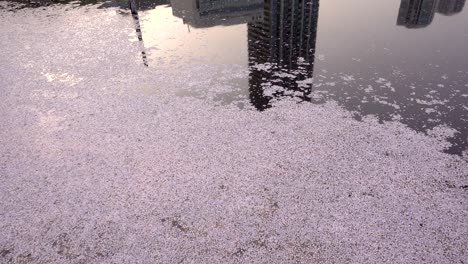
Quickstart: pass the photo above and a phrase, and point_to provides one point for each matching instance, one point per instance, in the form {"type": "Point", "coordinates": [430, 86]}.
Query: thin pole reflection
{"type": "Point", "coordinates": [136, 20]}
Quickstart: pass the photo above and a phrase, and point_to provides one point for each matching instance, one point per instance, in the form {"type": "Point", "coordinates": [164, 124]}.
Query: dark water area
{"type": "Point", "coordinates": [399, 60]}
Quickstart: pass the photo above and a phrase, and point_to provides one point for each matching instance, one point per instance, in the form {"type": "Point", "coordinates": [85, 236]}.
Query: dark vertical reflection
{"type": "Point", "coordinates": [420, 13]}
{"type": "Point", "coordinates": [209, 13]}
{"type": "Point", "coordinates": [450, 7]}
{"type": "Point", "coordinates": [136, 20]}
{"type": "Point", "coordinates": [281, 51]}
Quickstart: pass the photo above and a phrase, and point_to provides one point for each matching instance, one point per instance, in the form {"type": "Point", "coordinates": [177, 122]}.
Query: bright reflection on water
{"type": "Point", "coordinates": [404, 60]}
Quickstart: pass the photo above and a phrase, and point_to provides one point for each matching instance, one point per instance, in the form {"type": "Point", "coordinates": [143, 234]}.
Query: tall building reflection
{"type": "Point", "coordinates": [416, 13]}
{"type": "Point", "coordinates": [208, 13]}
{"type": "Point", "coordinates": [450, 7]}
{"type": "Point", "coordinates": [420, 13]}
{"type": "Point", "coordinates": [281, 51]}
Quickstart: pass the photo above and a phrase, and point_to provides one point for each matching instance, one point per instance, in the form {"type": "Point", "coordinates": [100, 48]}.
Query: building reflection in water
{"type": "Point", "coordinates": [208, 13]}
{"type": "Point", "coordinates": [420, 13]}
{"type": "Point", "coordinates": [450, 7]}
{"type": "Point", "coordinates": [281, 50]}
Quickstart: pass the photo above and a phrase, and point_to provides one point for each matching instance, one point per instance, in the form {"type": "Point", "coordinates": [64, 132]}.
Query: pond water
{"type": "Point", "coordinates": [404, 60]}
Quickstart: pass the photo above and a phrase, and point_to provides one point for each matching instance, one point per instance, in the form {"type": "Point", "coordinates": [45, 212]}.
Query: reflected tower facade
{"type": "Point", "coordinates": [209, 13]}
{"type": "Point", "coordinates": [450, 7]}
{"type": "Point", "coordinates": [416, 13]}
{"type": "Point", "coordinates": [420, 13]}
{"type": "Point", "coordinates": [281, 51]}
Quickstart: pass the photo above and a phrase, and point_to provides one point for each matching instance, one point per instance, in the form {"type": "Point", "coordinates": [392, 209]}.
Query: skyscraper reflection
{"type": "Point", "coordinates": [420, 13]}
{"type": "Point", "coordinates": [450, 7]}
{"type": "Point", "coordinates": [281, 51]}
{"type": "Point", "coordinates": [208, 13]}
{"type": "Point", "coordinates": [416, 13]}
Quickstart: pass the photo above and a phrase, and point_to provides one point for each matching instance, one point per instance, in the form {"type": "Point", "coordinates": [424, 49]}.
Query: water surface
{"type": "Point", "coordinates": [396, 60]}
